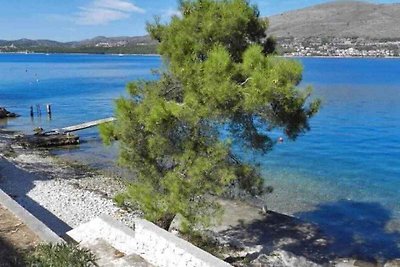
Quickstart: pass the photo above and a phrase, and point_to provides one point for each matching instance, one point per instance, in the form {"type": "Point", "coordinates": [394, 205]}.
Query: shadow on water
{"type": "Point", "coordinates": [357, 229]}
{"type": "Point", "coordinates": [333, 230]}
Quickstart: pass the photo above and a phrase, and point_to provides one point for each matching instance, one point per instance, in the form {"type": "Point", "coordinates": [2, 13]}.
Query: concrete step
{"type": "Point", "coordinates": [108, 256]}
{"type": "Point", "coordinates": [117, 245]}
{"type": "Point", "coordinates": [130, 260]}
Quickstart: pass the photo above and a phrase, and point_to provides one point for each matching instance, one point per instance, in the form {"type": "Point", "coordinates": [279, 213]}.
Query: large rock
{"type": "Point", "coordinates": [393, 263]}
{"type": "Point", "coordinates": [355, 263]}
{"type": "Point", "coordinates": [48, 140]}
{"type": "Point", "coordinates": [6, 114]}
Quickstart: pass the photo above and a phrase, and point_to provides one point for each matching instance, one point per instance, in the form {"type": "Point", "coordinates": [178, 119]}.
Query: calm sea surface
{"type": "Point", "coordinates": [344, 173]}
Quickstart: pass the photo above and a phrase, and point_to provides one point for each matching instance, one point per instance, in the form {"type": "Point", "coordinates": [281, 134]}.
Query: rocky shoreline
{"type": "Point", "coordinates": [64, 195]}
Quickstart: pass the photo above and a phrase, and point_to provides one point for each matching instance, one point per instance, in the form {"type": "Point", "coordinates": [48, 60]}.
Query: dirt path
{"type": "Point", "coordinates": [15, 239]}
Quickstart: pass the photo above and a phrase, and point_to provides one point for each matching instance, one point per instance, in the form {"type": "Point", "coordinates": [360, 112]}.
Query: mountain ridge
{"type": "Point", "coordinates": [339, 19]}
{"type": "Point", "coordinates": [332, 20]}
{"type": "Point", "coordinates": [126, 40]}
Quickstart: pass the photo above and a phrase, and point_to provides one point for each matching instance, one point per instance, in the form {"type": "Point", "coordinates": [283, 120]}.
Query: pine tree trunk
{"type": "Point", "coordinates": [165, 221]}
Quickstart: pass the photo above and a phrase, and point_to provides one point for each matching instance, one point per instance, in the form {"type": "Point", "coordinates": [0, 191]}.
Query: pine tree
{"type": "Point", "coordinates": [221, 82]}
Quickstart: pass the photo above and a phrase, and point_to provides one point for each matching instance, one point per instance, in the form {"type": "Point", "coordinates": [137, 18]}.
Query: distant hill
{"type": "Point", "coordinates": [31, 43]}
{"type": "Point", "coordinates": [339, 19]}
{"type": "Point", "coordinates": [100, 44]}
{"type": "Point", "coordinates": [115, 41]}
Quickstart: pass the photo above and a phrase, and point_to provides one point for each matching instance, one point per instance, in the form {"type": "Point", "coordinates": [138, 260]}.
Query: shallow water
{"type": "Point", "coordinates": [353, 149]}
{"type": "Point", "coordinates": [80, 88]}
{"type": "Point", "coordinates": [347, 166]}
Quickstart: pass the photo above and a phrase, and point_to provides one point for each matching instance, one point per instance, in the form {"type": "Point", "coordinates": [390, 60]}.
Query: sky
{"type": "Point", "coordinates": [72, 20]}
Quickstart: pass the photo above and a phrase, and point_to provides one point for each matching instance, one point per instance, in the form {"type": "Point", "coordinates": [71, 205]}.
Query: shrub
{"type": "Point", "coordinates": [65, 255]}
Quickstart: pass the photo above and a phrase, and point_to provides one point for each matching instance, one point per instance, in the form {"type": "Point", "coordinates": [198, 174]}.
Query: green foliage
{"type": "Point", "coordinates": [119, 199]}
{"type": "Point", "coordinates": [51, 255]}
{"type": "Point", "coordinates": [220, 75]}
{"type": "Point", "coordinates": [206, 243]}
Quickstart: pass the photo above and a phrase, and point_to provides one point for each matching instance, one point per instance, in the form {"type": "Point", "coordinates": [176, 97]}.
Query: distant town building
{"type": "Point", "coordinates": [339, 47]}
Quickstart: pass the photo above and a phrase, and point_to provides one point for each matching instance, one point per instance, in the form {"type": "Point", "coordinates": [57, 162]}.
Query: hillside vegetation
{"type": "Point", "coordinates": [100, 44]}
{"type": "Point", "coordinates": [328, 24]}
{"type": "Point", "coordinates": [339, 19]}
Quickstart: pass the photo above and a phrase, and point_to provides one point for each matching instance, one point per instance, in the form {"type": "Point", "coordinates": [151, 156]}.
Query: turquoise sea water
{"type": "Point", "coordinates": [344, 174]}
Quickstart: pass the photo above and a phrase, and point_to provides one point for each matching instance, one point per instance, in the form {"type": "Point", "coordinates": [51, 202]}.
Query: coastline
{"type": "Point", "coordinates": [339, 57]}
{"type": "Point", "coordinates": [35, 178]}
{"type": "Point", "coordinates": [66, 194]}
{"type": "Point", "coordinates": [61, 53]}
{"type": "Point", "coordinates": [158, 55]}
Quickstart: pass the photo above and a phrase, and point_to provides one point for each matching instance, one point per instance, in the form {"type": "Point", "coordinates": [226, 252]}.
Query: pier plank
{"type": "Point", "coordinates": [81, 126]}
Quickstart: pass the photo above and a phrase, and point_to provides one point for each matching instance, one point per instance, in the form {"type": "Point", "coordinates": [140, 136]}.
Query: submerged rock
{"type": "Point", "coordinates": [393, 263]}
{"type": "Point", "coordinates": [355, 263]}
{"type": "Point", "coordinates": [281, 258]}
{"type": "Point", "coordinates": [6, 114]}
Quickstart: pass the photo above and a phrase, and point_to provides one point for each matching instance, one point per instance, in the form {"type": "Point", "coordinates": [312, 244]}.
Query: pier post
{"type": "Point", "coordinates": [38, 110]}
{"type": "Point", "coordinates": [48, 108]}
{"type": "Point", "coordinates": [31, 111]}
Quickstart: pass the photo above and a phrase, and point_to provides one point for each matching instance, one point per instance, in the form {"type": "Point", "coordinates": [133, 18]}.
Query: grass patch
{"type": "Point", "coordinates": [51, 255]}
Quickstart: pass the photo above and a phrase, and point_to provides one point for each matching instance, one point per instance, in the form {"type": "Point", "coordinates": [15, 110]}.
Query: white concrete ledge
{"type": "Point", "coordinates": [104, 227]}
{"type": "Point", "coordinates": [35, 225]}
{"type": "Point", "coordinates": [155, 245]}
{"type": "Point", "coordinates": [170, 250]}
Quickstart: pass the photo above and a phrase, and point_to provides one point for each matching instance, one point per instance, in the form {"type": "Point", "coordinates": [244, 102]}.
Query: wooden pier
{"type": "Point", "coordinates": [81, 126]}
{"type": "Point", "coordinates": [60, 137]}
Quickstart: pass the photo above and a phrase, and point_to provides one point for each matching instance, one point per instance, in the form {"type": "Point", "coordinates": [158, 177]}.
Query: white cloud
{"type": "Point", "coordinates": [101, 12]}
{"type": "Point", "coordinates": [171, 12]}
{"type": "Point", "coordinates": [120, 5]}
{"type": "Point", "coordinates": [98, 16]}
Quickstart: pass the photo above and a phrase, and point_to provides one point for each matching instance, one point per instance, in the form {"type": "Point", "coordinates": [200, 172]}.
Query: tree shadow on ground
{"type": "Point", "coordinates": [333, 230]}
{"type": "Point", "coordinates": [9, 255]}
{"type": "Point", "coordinates": [26, 182]}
